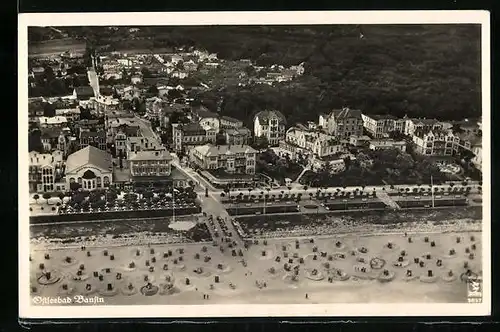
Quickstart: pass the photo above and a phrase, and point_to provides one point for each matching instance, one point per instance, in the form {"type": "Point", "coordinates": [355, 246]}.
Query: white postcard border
{"type": "Point", "coordinates": [27, 310]}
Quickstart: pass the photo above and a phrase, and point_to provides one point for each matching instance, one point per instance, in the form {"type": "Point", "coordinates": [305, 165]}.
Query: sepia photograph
{"type": "Point", "coordinates": [254, 164]}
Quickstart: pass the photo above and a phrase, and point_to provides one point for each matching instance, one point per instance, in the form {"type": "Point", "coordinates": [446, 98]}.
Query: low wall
{"type": "Point", "coordinates": [232, 211]}
{"type": "Point", "coordinates": [113, 215]}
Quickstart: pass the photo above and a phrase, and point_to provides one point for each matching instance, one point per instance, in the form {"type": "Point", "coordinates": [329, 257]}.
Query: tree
{"type": "Point", "coordinates": [47, 196]}
{"type": "Point", "coordinates": [49, 110]}
{"type": "Point", "coordinates": [260, 143]}
{"type": "Point", "coordinates": [61, 196]}
{"type": "Point", "coordinates": [74, 186]}
{"type": "Point", "coordinates": [36, 197]}
{"type": "Point", "coordinates": [152, 91]}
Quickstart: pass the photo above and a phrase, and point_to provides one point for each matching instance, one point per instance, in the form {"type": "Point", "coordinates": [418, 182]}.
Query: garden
{"type": "Point", "coordinates": [388, 166]}
{"type": "Point", "coordinates": [112, 203]}
{"type": "Point", "coordinates": [270, 164]}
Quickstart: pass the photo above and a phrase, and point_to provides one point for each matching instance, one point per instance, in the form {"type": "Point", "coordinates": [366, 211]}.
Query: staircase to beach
{"type": "Point", "coordinates": [387, 200]}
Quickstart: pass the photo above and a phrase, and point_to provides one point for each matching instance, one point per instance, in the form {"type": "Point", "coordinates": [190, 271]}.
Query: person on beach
{"type": "Point", "coordinates": [307, 296]}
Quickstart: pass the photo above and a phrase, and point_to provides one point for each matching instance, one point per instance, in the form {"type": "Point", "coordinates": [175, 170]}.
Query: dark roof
{"type": "Point", "coordinates": [203, 112]}
{"type": "Point", "coordinates": [265, 115]}
{"type": "Point", "coordinates": [382, 117]}
{"type": "Point", "coordinates": [228, 118]}
{"type": "Point", "coordinates": [346, 113]}
{"type": "Point", "coordinates": [106, 91]}
{"type": "Point", "coordinates": [426, 122]}
{"type": "Point", "coordinates": [192, 128]}
{"type": "Point", "coordinates": [100, 133]}
{"type": "Point", "coordinates": [89, 175]}
{"type": "Point", "coordinates": [84, 92]}
{"type": "Point", "coordinates": [50, 133]}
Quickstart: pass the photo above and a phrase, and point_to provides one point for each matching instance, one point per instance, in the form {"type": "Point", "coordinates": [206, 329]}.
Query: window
{"type": "Point", "coordinates": [98, 182]}
{"type": "Point", "coordinates": [80, 181]}
{"type": "Point", "coordinates": [106, 181]}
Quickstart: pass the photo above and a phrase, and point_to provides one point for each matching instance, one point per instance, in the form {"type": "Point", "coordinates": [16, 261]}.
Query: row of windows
{"type": "Point", "coordinates": [47, 179]}
{"type": "Point", "coordinates": [151, 169]}
{"type": "Point", "coordinates": [47, 171]}
{"type": "Point", "coordinates": [79, 180]}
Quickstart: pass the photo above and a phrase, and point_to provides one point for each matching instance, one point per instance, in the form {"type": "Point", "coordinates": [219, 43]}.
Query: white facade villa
{"type": "Point", "coordinates": [435, 142]}
{"type": "Point", "coordinates": [310, 142]}
{"type": "Point", "coordinates": [271, 125]}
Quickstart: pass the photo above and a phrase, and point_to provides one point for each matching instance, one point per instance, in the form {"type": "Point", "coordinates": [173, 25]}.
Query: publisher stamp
{"type": "Point", "coordinates": [475, 290]}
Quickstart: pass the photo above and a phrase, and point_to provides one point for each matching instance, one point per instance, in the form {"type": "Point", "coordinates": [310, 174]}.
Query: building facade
{"type": "Point", "coordinates": [270, 125]}
{"type": "Point", "coordinates": [301, 140]}
{"type": "Point", "coordinates": [234, 159]}
{"type": "Point", "coordinates": [435, 142]}
{"type": "Point", "coordinates": [150, 166]}
{"type": "Point", "coordinates": [44, 170]}
{"type": "Point", "coordinates": [379, 126]}
{"type": "Point", "coordinates": [240, 136]}
{"type": "Point", "coordinates": [188, 135]}
{"type": "Point", "coordinates": [94, 138]}
{"type": "Point", "coordinates": [342, 123]}
{"type": "Point", "coordinates": [229, 122]}
{"type": "Point", "coordinates": [89, 168]}
{"type": "Point", "coordinates": [380, 144]}
{"type": "Point", "coordinates": [412, 125]}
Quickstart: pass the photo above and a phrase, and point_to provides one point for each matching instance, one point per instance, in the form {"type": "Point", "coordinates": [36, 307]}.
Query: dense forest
{"type": "Point", "coordinates": [418, 70]}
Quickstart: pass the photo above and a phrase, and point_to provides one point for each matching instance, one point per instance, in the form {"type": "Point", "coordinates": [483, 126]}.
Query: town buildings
{"type": "Point", "coordinates": [229, 122]}
{"type": "Point", "coordinates": [342, 123]}
{"type": "Point", "coordinates": [71, 114]}
{"type": "Point", "coordinates": [307, 142]}
{"type": "Point", "coordinates": [240, 136]}
{"type": "Point", "coordinates": [435, 142]}
{"type": "Point", "coordinates": [379, 126]}
{"type": "Point", "coordinates": [380, 144]}
{"type": "Point", "coordinates": [188, 135]}
{"type": "Point", "coordinates": [270, 124]}
{"type": "Point", "coordinates": [233, 159]}
{"type": "Point", "coordinates": [83, 93]}
{"type": "Point", "coordinates": [45, 170]}
{"type": "Point", "coordinates": [93, 138]}
{"type": "Point", "coordinates": [89, 168]}
{"type": "Point", "coordinates": [425, 125]}
{"type": "Point", "coordinates": [150, 166]}
{"type": "Point", "coordinates": [53, 122]}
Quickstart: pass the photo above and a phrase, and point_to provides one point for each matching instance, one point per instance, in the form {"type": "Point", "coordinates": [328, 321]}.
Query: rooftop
{"type": "Point", "coordinates": [191, 128]}
{"type": "Point", "coordinates": [239, 131]}
{"type": "Point", "coordinates": [100, 133]}
{"type": "Point", "coordinates": [84, 92]}
{"type": "Point", "coordinates": [149, 155]}
{"type": "Point", "coordinates": [203, 112]}
{"type": "Point", "coordinates": [346, 113]}
{"type": "Point", "coordinates": [381, 117]}
{"type": "Point", "coordinates": [89, 156]}
{"type": "Point", "coordinates": [230, 119]}
{"type": "Point", "coordinates": [52, 120]}
{"type": "Point", "coordinates": [49, 133]}
{"type": "Point", "coordinates": [267, 114]}
{"type": "Point", "coordinates": [216, 150]}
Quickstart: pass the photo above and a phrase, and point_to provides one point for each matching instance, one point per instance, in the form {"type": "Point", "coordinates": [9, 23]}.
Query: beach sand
{"type": "Point", "coordinates": [279, 289]}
